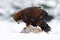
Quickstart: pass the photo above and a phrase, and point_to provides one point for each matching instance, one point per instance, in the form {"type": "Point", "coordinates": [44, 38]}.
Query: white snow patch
{"type": "Point", "coordinates": [11, 31]}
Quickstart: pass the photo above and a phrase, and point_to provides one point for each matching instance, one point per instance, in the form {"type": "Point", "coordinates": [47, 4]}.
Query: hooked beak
{"type": "Point", "coordinates": [18, 22]}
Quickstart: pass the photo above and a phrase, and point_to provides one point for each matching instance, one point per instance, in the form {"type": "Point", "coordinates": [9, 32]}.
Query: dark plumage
{"type": "Point", "coordinates": [34, 16]}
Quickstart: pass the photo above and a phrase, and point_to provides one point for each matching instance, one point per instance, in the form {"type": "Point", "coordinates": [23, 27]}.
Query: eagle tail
{"type": "Point", "coordinates": [46, 28]}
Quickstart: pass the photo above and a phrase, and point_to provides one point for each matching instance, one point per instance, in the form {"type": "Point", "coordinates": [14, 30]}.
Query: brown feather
{"type": "Point", "coordinates": [34, 16]}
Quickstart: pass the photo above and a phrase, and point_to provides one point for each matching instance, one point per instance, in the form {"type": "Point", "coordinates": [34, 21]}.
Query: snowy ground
{"type": "Point", "coordinates": [11, 31]}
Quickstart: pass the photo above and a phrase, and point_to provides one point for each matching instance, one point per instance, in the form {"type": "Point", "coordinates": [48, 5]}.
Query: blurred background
{"type": "Point", "coordinates": [9, 7]}
{"type": "Point", "coordinates": [10, 30]}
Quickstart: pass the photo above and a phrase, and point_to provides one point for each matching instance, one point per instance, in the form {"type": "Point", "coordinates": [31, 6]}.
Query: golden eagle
{"type": "Point", "coordinates": [34, 16]}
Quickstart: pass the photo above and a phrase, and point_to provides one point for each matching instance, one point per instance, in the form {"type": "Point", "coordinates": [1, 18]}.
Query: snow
{"type": "Point", "coordinates": [19, 36]}
{"type": "Point", "coordinates": [10, 30]}
{"type": "Point", "coordinates": [51, 3]}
